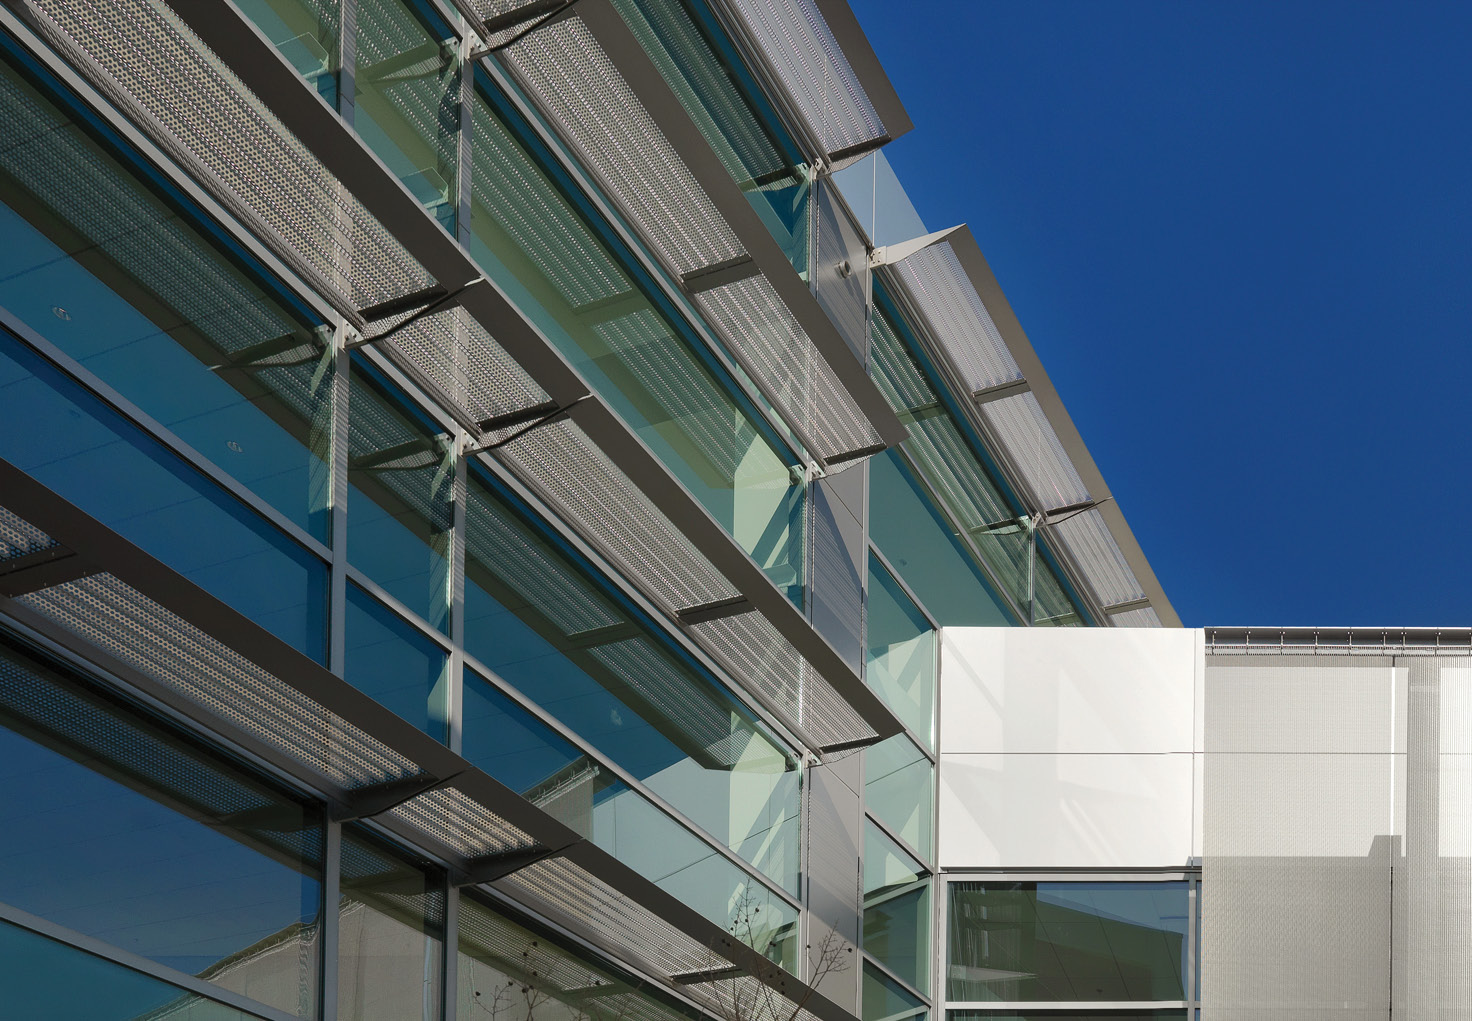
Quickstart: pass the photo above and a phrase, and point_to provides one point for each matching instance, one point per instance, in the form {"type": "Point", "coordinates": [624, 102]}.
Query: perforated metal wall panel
{"type": "Point", "coordinates": [1029, 442]}
{"type": "Point", "coordinates": [145, 59]}
{"type": "Point", "coordinates": [796, 39]}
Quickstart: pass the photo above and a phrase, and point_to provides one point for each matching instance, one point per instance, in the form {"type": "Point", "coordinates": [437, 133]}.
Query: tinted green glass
{"type": "Point", "coordinates": [116, 827]}
{"type": "Point", "coordinates": [407, 99]}
{"type": "Point", "coordinates": [1067, 1015]}
{"type": "Point", "coordinates": [919, 542]}
{"type": "Point", "coordinates": [43, 978]}
{"type": "Point", "coordinates": [396, 664]}
{"type": "Point", "coordinates": [306, 33]}
{"type": "Point", "coordinates": [1067, 941]}
{"type": "Point", "coordinates": [538, 246]}
{"type": "Point", "coordinates": [884, 999]}
{"type": "Point", "coordinates": [91, 456]}
{"type": "Point", "coordinates": [689, 58]}
{"type": "Point", "coordinates": [899, 790]}
{"type": "Point", "coordinates": [546, 628]}
{"type": "Point", "coordinates": [401, 490]}
{"type": "Point", "coordinates": [391, 932]}
{"type": "Point", "coordinates": [896, 909]}
{"type": "Point", "coordinates": [902, 653]}
{"type": "Point", "coordinates": [506, 970]}
{"type": "Point", "coordinates": [121, 281]}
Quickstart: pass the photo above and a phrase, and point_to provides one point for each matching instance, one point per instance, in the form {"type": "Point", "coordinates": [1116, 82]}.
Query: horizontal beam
{"type": "Point", "coordinates": [317, 126]}
{"type": "Point", "coordinates": [1011, 388]}
{"type": "Point", "coordinates": [156, 581]}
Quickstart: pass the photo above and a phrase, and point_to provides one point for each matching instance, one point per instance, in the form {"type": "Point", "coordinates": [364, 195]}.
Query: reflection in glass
{"type": "Point", "coordinates": [553, 774]}
{"type": "Point", "coordinates": [306, 33]}
{"type": "Point", "coordinates": [561, 267]}
{"type": "Point", "coordinates": [122, 281]}
{"type": "Point", "coordinates": [401, 489]}
{"type": "Point", "coordinates": [1067, 941]}
{"type": "Point", "coordinates": [711, 84]}
{"type": "Point", "coordinates": [1167, 1014]}
{"type": "Point", "coordinates": [899, 790]}
{"type": "Point", "coordinates": [93, 457]}
{"type": "Point", "coordinates": [391, 932]}
{"type": "Point", "coordinates": [407, 99]}
{"type": "Point", "coordinates": [43, 978]}
{"type": "Point", "coordinates": [115, 827]}
{"type": "Point", "coordinates": [390, 660]}
{"type": "Point", "coordinates": [901, 660]}
{"type": "Point", "coordinates": [546, 627]}
{"type": "Point", "coordinates": [896, 909]}
{"type": "Point", "coordinates": [505, 970]}
{"type": "Point", "coordinates": [887, 1000]}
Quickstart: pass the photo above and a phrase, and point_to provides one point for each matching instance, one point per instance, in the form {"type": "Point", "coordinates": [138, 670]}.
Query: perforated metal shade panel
{"type": "Point", "coordinates": [960, 322]}
{"type": "Point", "coordinates": [756, 322]}
{"type": "Point", "coordinates": [801, 47]}
{"type": "Point", "coordinates": [133, 629]}
{"type": "Point", "coordinates": [18, 537]}
{"type": "Point", "coordinates": [565, 67]}
{"type": "Point", "coordinates": [1029, 442]}
{"type": "Point", "coordinates": [144, 58]}
{"type": "Point", "coordinates": [1143, 617]}
{"type": "Point", "coordinates": [1086, 539]}
{"type": "Point", "coordinates": [462, 824]}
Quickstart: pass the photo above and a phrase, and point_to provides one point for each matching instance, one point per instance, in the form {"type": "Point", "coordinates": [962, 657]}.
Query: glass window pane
{"type": "Point", "coordinates": [115, 827]}
{"type": "Point", "coordinates": [528, 756]}
{"type": "Point", "coordinates": [901, 660]}
{"type": "Point", "coordinates": [121, 280]}
{"type": "Point", "coordinates": [896, 909]}
{"type": "Point", "coordinates": [558, 265]}
{"type": "Point", "coordinates": [396, 664]}
{"type": "Point", "coordinates": [406, 93]}
{"type": "Point", "coordinates": [884, 999]}
{"type": "Point", "coordinates": [401, 488]}
{"type": "Point", "coordinates": [391, 932]}
{"type": "Point", "coordinates": [712, 85]}
{"type": "Point", "coordinates": [899, 790]}
{"type": "Point", "coordinates": [43, 978]}
{"type": "Point", "coordinates": [91, 456]}
{"type": "Point", "coordinates": [306, 33]}
{"type": "Point", "coordinates": [919, 542]}
{"type": "Point", "coordinates": [1072, 942]}
{"type": "Point", "coordinates": [505, 970]}
{"type": "Point", "coordinates": [546, 628]}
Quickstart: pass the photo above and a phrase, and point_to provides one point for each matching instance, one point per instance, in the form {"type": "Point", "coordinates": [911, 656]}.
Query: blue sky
{"type": "Point", "coordinates": [1240, 238]}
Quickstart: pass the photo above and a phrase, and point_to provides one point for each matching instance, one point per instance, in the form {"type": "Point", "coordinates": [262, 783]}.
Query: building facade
{"type": "Point", "coordinates": [482, 485]}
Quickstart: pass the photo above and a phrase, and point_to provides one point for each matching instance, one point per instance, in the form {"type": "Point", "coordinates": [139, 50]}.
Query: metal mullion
{"type": "Point", "coordinates": [136, 962]}
{"type": "Point", "coordinates": [167, 166]}
{"type": "Point", "coordinates": [561, 729]}
{"type": "Point", "coordinates": [903, 983]}
{"type": "Point", "coordinates": [378, 592]}
{"type": "Point", "coordinates": [331, 900]}
{"type": "Point", "coordinates": [1067, 1005]}
{"type": "Point", "coordinates": [337, 607]}
{"type": "Point", "coordinates": [347, 70]}
{"type": "Point", "coordinates": [160, 433]}
{"type": "Point", "coordinates": [457, 598]}
{"type": "Point", "coordinates": [903, 844]}
{"type": "Point", "coordinates": [663, 277]}
{"type": "Point", "coordinates": [449, 972]}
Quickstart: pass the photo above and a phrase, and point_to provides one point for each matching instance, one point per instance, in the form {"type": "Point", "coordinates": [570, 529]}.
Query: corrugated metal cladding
{"type": "Point", "coordinates": [811, 64]}
{"type": "Point", "coordinates": [1338, 836]}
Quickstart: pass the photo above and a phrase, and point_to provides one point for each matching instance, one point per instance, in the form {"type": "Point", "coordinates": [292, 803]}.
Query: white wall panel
{"type": "Point", "coordinates": [1093, 690]}
{"type": "Point", "coordinates": [1025, 811]}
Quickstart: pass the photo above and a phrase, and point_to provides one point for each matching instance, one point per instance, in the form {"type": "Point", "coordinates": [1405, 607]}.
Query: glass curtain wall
{"type": "Point", "coordinates": [902, 656]}
{"type": "Point", "coordinates": [212, 361]}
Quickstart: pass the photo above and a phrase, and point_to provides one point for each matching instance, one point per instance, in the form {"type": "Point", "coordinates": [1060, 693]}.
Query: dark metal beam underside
{"type": "Point", "coordinates": [274, 82]}
{"type": "Point", "coordinates": [111, 553]}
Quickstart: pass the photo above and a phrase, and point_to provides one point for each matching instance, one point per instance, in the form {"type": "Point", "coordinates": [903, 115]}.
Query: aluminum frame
{"type": "Point", "coordinates": [107, 551]}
